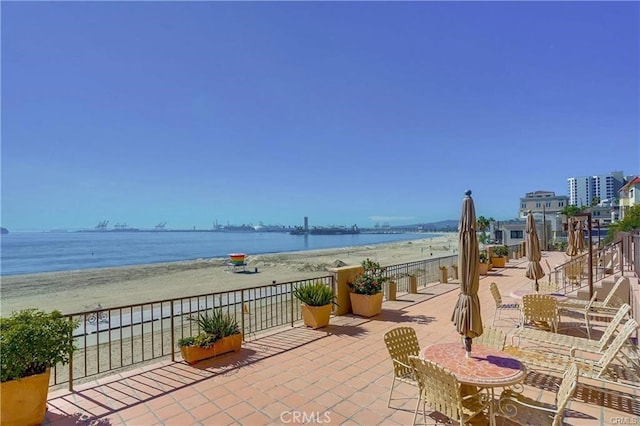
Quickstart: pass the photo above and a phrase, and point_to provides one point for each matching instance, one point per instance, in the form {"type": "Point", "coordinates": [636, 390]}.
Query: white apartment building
{"type": "Point", "coordinates": [583, 190]}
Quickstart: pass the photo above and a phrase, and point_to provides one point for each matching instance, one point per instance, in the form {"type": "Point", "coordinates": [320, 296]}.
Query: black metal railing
{"type": "Point", "coordinates": [425, 271]}
{"type": "Point", "coordinates": [109, 339]}
{"type": "Point", "coordinates": [115, 338]}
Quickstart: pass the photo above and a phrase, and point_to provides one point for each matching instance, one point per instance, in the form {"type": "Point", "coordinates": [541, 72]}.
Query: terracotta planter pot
{"type": "Point", "coordinates": [316, 316]}
{"type": "Point", "coordinates": [193, 354]}
{"type": "Point", "coordinates": [483, 268]}
{"type": "Point", "coordinates": [499, 262]}
{"type": "Point", "coordinates": [366, 305]}
{"type": "Point", "coordinates": [228, 344]}
{"type": "Point", "coordinates": [24, 401]}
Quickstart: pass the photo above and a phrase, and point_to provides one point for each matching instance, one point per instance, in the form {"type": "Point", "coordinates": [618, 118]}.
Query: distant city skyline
{"type": "Point", "coordinates": [346, 112]}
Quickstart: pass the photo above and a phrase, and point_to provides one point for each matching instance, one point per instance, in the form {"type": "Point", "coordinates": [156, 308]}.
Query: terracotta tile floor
{"type": "Point", "coordinates": [338, 375]}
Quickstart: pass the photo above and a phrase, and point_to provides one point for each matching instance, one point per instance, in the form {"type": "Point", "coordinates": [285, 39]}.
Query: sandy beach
{"type": "Point", "coordinates": [75, 291]}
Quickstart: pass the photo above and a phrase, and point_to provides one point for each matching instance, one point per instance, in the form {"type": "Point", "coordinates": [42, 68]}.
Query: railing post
{"type": "Point", "coordinates": [413, 284]}
{"type": "Point", "coordinates": [622, 257]}
{"type": "Point", "coordinates": [242, 308]}
{"type": "Point", "coordinates": [291, 301]}
{"type": "Point", "coordinates": [71, 360]}
{"type": "Point", "coordinates": [343, 276]}
{"type": "Point", "coordinates": [173, 331]}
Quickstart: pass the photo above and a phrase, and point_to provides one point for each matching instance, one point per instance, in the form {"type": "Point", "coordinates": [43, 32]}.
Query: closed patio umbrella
{"type": "Point", "coordinates": [532, 243]}
{"type": "Point", "coordinates": [579, 237]}
{"type": "Point", "coordinates": [571, 243]}
{"type": "Point", "coordinates": [466, 315]}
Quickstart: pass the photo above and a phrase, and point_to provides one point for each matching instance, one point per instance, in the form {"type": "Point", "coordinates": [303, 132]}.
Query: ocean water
{"type": "Point", "coordinates": [32, 252]}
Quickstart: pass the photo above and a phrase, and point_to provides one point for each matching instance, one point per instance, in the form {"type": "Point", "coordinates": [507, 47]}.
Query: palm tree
{"type": "Point", "coordinates": [483, 224]}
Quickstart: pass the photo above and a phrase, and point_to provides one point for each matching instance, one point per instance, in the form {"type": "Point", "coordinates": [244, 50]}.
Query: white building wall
{"type": "Point", "coordinates": [580, 190]}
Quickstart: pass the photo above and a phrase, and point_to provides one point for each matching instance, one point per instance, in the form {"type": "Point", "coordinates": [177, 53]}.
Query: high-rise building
{"type": "Point", "coordinates": [584, 190]}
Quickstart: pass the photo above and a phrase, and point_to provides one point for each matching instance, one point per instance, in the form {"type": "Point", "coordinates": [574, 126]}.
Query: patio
{"type": "Point", "coordinates": [337, 375]}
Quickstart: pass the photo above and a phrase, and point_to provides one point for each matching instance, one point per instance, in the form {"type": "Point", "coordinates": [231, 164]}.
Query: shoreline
{"type": "Point", "coordinates": [79, 290]}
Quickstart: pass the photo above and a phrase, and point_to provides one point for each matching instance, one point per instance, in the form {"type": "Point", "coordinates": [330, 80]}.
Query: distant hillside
{"type": "Point", "coordinates": [441, 226]}
{"type": "Point", "coordinates": [444, 224]}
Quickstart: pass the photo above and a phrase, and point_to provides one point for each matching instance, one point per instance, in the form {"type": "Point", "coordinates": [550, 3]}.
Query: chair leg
{"type": "Point", "coordinates": [415, 413]}
{"type": "Point", "coordinates": [391, 391]}
{"type": "Point", "coordinates": [587, 323]}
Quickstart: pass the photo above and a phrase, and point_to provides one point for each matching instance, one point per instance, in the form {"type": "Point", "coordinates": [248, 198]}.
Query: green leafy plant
{"type": "Point", "coordinates": [371, 280]}
{"type": "Point", "coordinates": [214, 325]}
{"type": "Point", "coordinates": [316, 294]}
{"type": "Point", "coordinates": [631, 221]}
{"type": "Point", "coordinates": [483, 257]}
{"type": "Point", "coordinates": [501, 251]}
{"type": "Point", "coordinates": [202, 340]}
{"type": "Point", "coordinates": [572, 210]}
{"type": "Point", "coordinates": [32, 341]}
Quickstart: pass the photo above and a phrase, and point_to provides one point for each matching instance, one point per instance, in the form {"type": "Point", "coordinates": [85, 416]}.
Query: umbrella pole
{"type": "Point", "coordinates": [467, 345]}
{"type": "Point", "coordinates": [537, 286]}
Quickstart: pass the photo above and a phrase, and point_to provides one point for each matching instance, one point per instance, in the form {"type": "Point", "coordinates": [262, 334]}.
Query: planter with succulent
{"type": "Point", "coordinates": [316, 301]}
{"type": "Point", "coordinates": [483, 266]}
{"type": "Point", "coordinates": [366, 290]}
{"type": "Point", "coordinates": [33, 342]}
{"type": "Point", "coordinates": [219, 334]}
{"type": "Point", "coordinates": [499, 257]}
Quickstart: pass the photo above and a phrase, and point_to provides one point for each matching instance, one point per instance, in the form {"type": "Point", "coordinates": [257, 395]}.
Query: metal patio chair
{"type": "Point", "coordinates": [527, 411]}
{"type": "Point", "coordinates": [401, 343]}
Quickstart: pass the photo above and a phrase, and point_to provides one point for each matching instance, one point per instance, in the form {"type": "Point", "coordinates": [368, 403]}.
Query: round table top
{"type": "Point", "coordinates": [519, 294]}
{"type": "Point", "coordinates": [485, 367]}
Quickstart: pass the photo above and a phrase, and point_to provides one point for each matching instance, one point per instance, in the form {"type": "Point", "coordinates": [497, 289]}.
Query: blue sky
{"type": "Point", "coordinates": [346, 112]}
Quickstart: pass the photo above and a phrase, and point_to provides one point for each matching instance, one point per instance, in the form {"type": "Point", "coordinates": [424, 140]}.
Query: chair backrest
{"type": "Point", "coordinates": [614, 289]}
{"type": "Point", "coordinates": [565, 392]}
{"type": "Point", "coordinates": [612, 350]}
{"type": "Point", "coordinates": [492, 337]}
{"type": "Point", "coordinates": [548, 287]}
{"type": "Point", "coordinates": [439, 388]}
{"type": "Point", "coordinates": [496, 294]}
{"type": "Point", "coordinates": [539, 307]}
{"type": "Point", "coordinates": [548, 266]}
{"type": "Point", "coordinates": [401, 343]}
{"type": "Point", "coordinates": [592, 300]}
{"type": "Point", "coordinates": [613, 325]}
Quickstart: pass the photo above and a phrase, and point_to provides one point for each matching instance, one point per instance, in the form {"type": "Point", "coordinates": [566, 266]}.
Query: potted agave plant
{"type": "Point", "coordinates": [32, 342]}
{"type": "Point", "coordinates": [220, 334]}
{"type": "Point", "coordinates": [316, 301]}
{"type": "Point", "coordinates": [366, 290]}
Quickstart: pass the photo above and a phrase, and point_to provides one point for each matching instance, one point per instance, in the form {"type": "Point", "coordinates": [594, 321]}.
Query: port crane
{"type": "Point", "coordinates": [102, 225]}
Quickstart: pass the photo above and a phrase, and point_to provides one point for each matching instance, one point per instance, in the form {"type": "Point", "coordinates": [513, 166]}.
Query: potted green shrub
{"type": "Point", "coordinates": [219, 334]}
{"type": "Point", "coordinates": [316, 300]}
{"type": "Point", "coordinates": [499, 257]}
{"type": "Point", "coordinates": [31, 342]}
{"type": "Point", "coordinates": [366, 290]}
{"type": "Point", "coordinates": [483, 266]}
